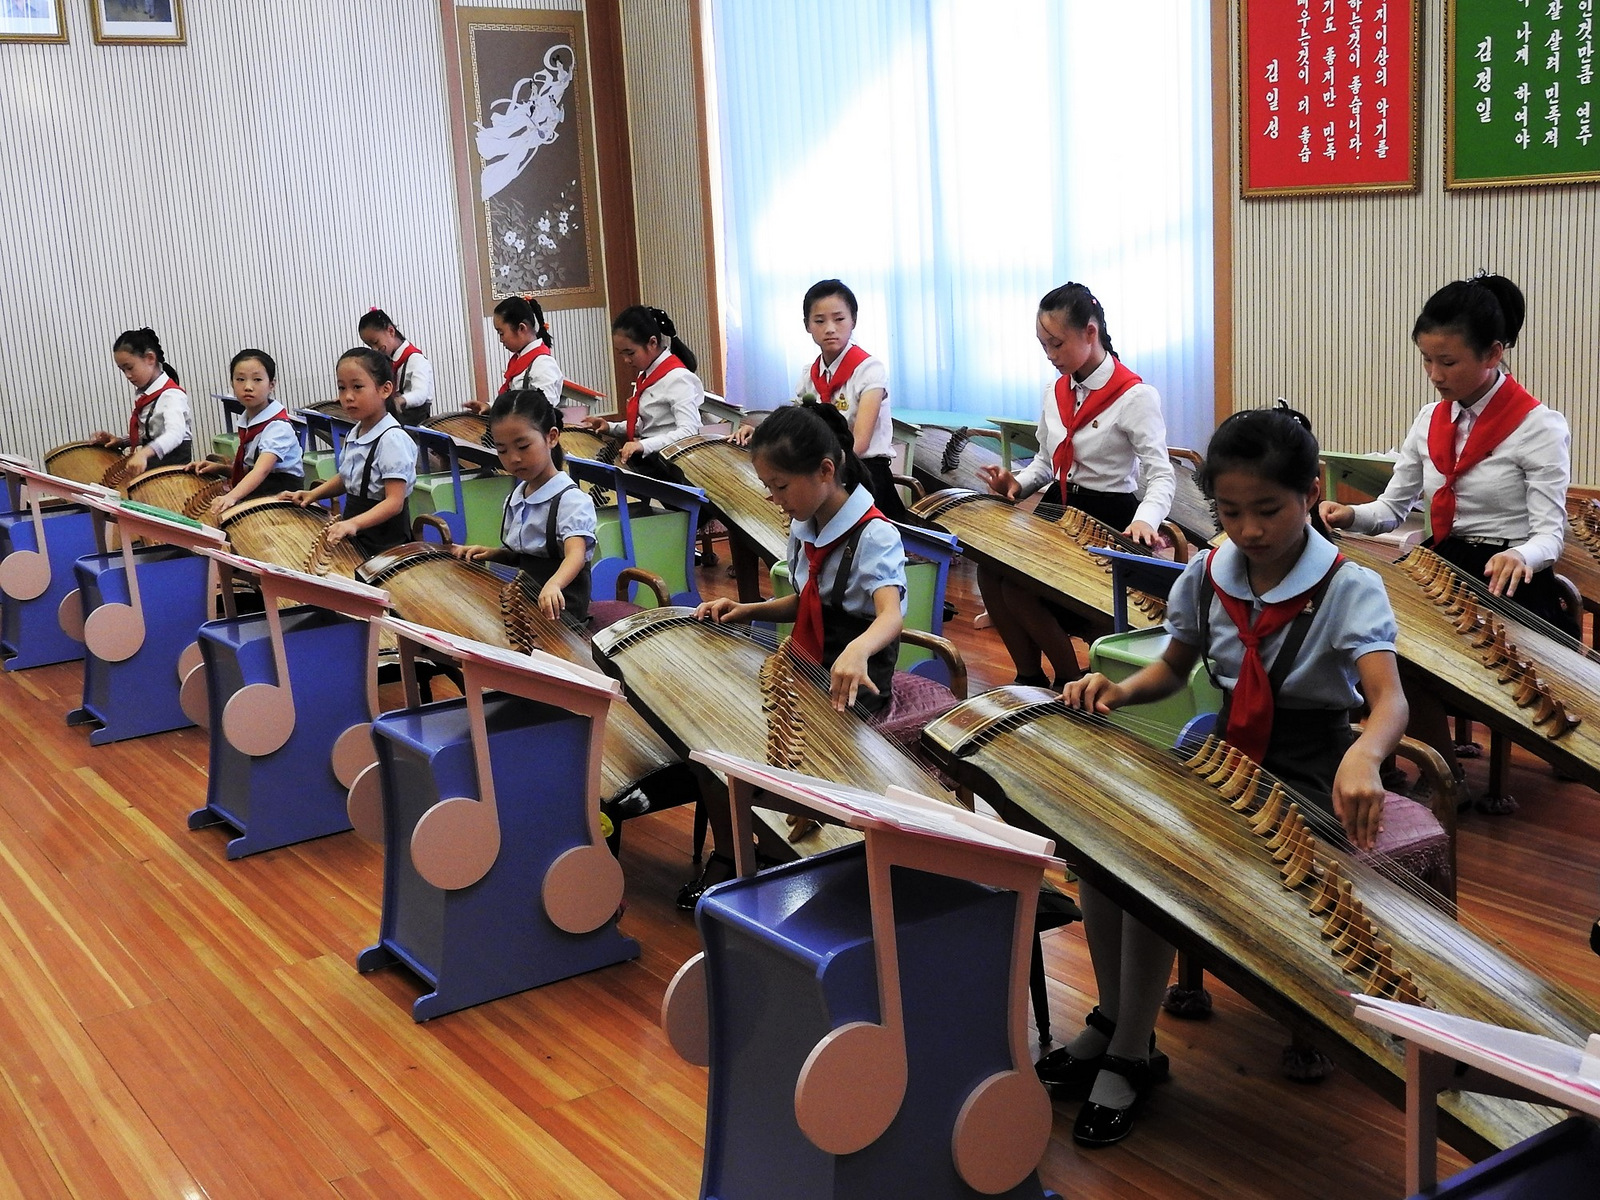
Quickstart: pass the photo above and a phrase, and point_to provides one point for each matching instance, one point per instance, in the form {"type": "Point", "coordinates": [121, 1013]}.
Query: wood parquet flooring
{"type": "Point", "coordinates": [176, 1025]}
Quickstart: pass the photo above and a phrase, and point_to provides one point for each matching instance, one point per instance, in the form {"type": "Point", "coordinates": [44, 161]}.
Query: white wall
{"type": "Point", "coordinates": [263, 185]}
{"type": "Point", "coordinates": [1326, 289]}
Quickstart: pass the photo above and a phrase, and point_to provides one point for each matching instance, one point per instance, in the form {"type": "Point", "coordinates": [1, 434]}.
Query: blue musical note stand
{"type": "Point", "coordinates": [844, 1064]}
{"type": "Point", "coordinates": [496, 875]}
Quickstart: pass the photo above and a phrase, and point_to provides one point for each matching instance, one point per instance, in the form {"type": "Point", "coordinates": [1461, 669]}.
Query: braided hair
{"type": "Point", "coordinates": [1075, 303]}
{"type": "Point", "coordinates": [639, 323]}
{"type": "Point", "coordinates": [141, 342]}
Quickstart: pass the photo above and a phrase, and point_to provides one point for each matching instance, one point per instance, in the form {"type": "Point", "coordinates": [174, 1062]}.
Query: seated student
{"type": "Point", "coordinates": [853, 381]}
{"type": "Point", "coordinates": [847, 563]}
{"type": "Point", "coordinates": [268, 460]}
{"type": "Point", "coordinates": [519, 322]}
{"type": "Point", "coordinates": [377, 463]}
{"type": "Point", "coordinates": [158, 428]}
{"type": "Point", "coordinates": [1296, 637]}
{"type": "Point", "coordinates": [1491, 462]}
{"type": "Point", "coordinates": [413, 373]}
{"type": "Point", "coordinates": [1102, 449]}
{"type": "Point", "coordinates": [665, 404]}
{"type": "Point", "coordinates": [548, 527]}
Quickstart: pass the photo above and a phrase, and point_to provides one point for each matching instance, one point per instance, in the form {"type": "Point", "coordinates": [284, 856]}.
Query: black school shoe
{"type": "Point", "coordinates": [1100, 1125]}
{"type": "Point", "coordinates": [1071, 1078]}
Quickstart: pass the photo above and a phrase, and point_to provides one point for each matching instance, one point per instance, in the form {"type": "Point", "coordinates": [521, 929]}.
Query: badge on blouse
{"type": "Point", "coordinates": [1095, 424]}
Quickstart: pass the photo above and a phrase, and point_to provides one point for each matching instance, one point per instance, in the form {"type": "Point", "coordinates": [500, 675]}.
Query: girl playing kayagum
{"type": "Point", "coordinates": [1296, 637]}
{"type": "Point", "coordinates": [548, 527]}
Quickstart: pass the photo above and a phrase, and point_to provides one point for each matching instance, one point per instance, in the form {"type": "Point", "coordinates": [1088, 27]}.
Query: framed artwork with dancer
{"type": "Point", "coordinates": [525, 162]}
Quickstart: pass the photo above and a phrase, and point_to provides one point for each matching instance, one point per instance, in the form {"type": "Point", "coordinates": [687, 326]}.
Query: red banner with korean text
{"type": "Point", "coordinates": [1328, 95]}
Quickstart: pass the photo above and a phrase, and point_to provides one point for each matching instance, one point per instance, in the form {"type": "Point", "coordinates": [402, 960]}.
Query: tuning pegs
{"type": "Point", "coordinates": [1327, 889]}
{"type": "Point", "coordinates": [1241, 780]}
{"type": "Point", "coordinates": [1470, 617]}
{"type": "Point", "coordinates": [1299, 866]}
{"type": "Point", "coordinates": [1194, 761]}
{"type": "Point", "coordinates": [1226, 766]}
{"type": "Point", "coordinates": [1247, 794]}
{"type": "Point", "coordinates": [1531, 689]}
{"type": "Point", "coordinates": [1265, 822]}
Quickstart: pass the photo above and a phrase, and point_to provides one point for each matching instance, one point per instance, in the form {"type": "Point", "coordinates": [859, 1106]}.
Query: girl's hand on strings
{"type": "Point", "coordinates": [339, 530]}
{"type": "Point", "coordinates": [848, 676]}
{"type": "Point", "coordinates": [473, 553]}
{"type": "Point", "coordinates": [742, 435]}
{"type": "Point", "coordinates": [1000, 481]}
{"type": "Point", "coordinates": [551, 600]}
{"type": "Point", "coordinates": [1506, 571]}
{"type": "Point", "coordinates": [721, 609]}
{"type": "Point", "coordinates": [1141, 533]}
{"type": "Point", "coordinates": [1093, 693]}
{"type": "Point", "coordinates": [1358, 800]}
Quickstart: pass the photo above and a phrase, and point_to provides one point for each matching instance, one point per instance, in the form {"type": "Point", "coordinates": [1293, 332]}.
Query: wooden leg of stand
{"type": "Point", "coordinates": [746, 568]}
{"type": "Point", "coordinates": [1499, 764]}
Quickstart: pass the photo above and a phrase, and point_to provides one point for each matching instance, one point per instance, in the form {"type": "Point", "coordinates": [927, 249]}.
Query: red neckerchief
{"type": "Point", "coordinates": [644, 383]}
{"type": "Point", "coordinates": [246, 436]}
{"type": "Point", "coordinates": [1251, 707]}
{"type": "Point", "coordinates": [406, 351]}
{"type": "Point", "coordinates": [852, 358]}
{"type": "Point", "coordinates": [521, 362]}
{"type": "Point", "coordinates": [140, 403]}
{"type": "Point", "coordinates": [1498, 421]}
{"type": "Point", "coordinates": [807, 634]}
{"type": "Point", "coordinates": [1095, 403]}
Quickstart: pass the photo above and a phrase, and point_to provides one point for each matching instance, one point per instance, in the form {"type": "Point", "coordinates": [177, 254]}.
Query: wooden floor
{"type": "Point", "coordinates": [176, 1025]}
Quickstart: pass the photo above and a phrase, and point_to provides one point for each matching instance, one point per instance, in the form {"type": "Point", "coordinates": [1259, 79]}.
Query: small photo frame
{"type": "Point", "coordinates": [137, 22]}
{"type": "Point", "coordinates": [32, 21]}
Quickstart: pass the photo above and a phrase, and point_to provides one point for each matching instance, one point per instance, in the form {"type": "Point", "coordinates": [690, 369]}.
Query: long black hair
{"type": "Point", "coordinates": [1275, 444]}
{"type": "Point", "coordinates": [141, 342]}
{"type": "Point", "coordinates": [377, 365]}
{"type": "Point", "coordinates": [534, 407]}
{"type": "Point", "coordinates": [797, 440]}
{"type": "Point", "coordinates": [261, 356]}
{"type": "Point", "coordinates": [1076, 303]}
{"type": "Point", "coordinates": [639, 323]}
{"type": "Point", "coordinates": [517, 311]}
{"type": "Point", "coordinates": [1484, 310]}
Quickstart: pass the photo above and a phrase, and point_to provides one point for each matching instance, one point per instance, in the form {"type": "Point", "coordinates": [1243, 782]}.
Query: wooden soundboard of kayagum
{"type": "Point", "coordinates": [727, 475]}
{"type": "Point", "coordinates": [428, 586]}
{"type": "Point", "coordinates": [1050, 557]}
{"type": "Point", "coordinates": [699, 684]}
{"type": "Point", "coordinates": [1210, 854]}
{"type": "Point", "coordinates": [1540, 688]}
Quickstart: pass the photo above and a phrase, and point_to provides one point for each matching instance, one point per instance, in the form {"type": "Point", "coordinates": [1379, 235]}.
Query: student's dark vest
{"type": "Point", "coordinates": [840, 628]}
{"type": "Point", "coordinates": [540, 567]}
{"type": "Point", "coordinates": [393, 532]}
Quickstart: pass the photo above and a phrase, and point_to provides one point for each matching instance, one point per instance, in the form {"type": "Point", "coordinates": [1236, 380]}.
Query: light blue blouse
{"type": "Point", "coordinates": [277, 438]}
{"type": "Point", "coordinates": [396, 458]}
{"type": "Point", "coordinates": [880, 557]}
{"type": "Point", "coordinates": [1353, 619]}
{"type": "Point", "coordinates": [526, 520]}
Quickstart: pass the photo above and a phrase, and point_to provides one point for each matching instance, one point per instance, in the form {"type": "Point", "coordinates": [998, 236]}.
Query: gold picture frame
{"type": "Point", "coordinates": [137, 22]}
{"type": "Point", "coordinates": [47, 24]}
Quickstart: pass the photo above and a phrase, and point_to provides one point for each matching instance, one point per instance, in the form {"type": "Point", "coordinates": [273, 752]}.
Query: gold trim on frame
{"type": "Point", "coordinates": [1414, 184]}
{"type": "Point", "coordinates": [58, 38]}
{"type": "Point", "coordinates": [177, 39]}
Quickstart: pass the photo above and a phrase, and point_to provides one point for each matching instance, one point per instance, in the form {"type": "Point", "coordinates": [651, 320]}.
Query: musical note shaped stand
{"type": "Point", "coordinates": [864, 1012]}
{"type": "Point", "coordinates": [138, 610]}
{"type": "Point", "coordinates": [37, 549]}
{"type": "Point", "coordinates": [288, 694]}
{"type": "Point", "coordinates": [496, 875]}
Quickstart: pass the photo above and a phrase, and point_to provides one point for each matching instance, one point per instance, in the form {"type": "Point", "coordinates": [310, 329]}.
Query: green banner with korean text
{"type": "Point", "coordinates": [1522, 98]}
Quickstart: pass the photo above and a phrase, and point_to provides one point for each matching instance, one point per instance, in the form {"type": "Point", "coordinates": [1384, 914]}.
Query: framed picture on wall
{"type": "Point", "coordinates": [525, 157]}
{"type": "Point", "coordinates": [32, 21]}
{"type": "Point", "coordinates": [137, 22]}
{"type": "Point", "coordinates": [1328, 96]}
{"type": "Point", "coordinates": [1521, 89]}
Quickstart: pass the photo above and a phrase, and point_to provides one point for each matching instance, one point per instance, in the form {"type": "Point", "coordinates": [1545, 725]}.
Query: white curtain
{"type": "Point", "coordinates": [952, 160]}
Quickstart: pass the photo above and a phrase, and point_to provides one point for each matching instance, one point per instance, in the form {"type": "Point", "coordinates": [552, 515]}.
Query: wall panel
{"type": "Point", "coordinates": [1326, 288]}
{"type": "Point", "coordinates": [263, 185]}
{"type": "Point", "coordinates": [664, 129]}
